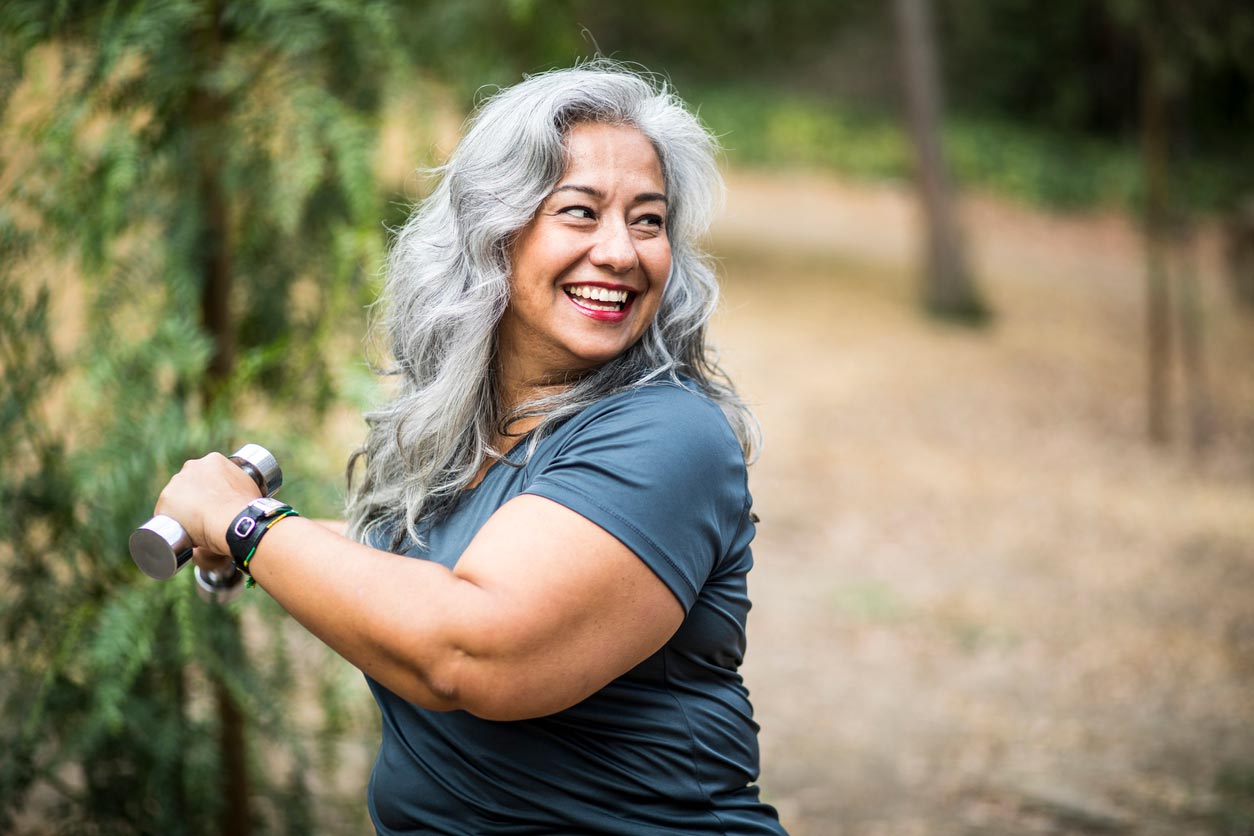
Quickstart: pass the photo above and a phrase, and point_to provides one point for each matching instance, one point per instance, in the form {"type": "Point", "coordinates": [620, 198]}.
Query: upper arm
{"type": "Point", "coordinates": [565, 608]}
{"type": "Point", "coordinates": [592, 569]}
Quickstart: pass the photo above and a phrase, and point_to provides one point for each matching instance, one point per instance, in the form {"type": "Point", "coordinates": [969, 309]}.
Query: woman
{"type": "Point", "coordinates": [564, 461]}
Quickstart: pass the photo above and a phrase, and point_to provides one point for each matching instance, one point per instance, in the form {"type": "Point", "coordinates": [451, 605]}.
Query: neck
{"type": "Point", "coordinates": [518, 386]}
{"type": "Point", "coordinates": [521, 378]}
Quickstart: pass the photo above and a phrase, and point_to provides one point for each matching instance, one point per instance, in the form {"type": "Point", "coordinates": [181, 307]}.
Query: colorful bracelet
{"type": "Point", "coordinates": [249, 526]}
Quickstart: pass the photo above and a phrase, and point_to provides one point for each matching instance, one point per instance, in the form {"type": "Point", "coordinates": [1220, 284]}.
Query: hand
{"type": "Point", "coordinates": [205, 496]}
{"type": "Point", "coordinates": [209, 561]}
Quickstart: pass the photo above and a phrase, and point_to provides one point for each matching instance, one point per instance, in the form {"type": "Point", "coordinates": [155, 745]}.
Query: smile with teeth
{"type": "Point", "coordinates": [598, 298]}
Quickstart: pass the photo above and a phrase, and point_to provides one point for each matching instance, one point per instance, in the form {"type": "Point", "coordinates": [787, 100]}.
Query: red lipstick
{"type": "Point", "coordinates": [602, 315]}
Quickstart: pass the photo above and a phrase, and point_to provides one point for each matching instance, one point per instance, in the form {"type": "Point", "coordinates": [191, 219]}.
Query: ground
{"type": "Point", "coordinates": [984, 604]}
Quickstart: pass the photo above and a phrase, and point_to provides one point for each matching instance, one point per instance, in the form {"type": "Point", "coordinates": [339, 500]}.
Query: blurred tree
{"type": "Point", "coordinates": [700, 42]}
{"type": "Point", "coordinates": [948, 288]}
{"type": "Point", "coordinates": [1158, 328]}
{"type": "Point", "coordinates": [1239, 232]}
{"type": "Point", "coordinates": [1062, 66]}
{"type": "Point", "coordinates": [1075, 67]}
{"type": "Point", "coordinates": [473, 43]}
{"type": "Point", "coordinates": [1179, 43]}
{"type": "Point", "coordinates": [206, 167]}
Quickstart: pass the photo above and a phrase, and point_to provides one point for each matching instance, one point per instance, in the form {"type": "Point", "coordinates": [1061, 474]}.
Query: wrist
{"type": "Point", "coordinates": [250, 525]}
{"type": "Point", "coordinates": [221, 521]}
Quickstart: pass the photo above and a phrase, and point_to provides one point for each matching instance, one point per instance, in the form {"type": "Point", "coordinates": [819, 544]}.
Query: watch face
{"type": "Point", "coordinates": [266, 505]}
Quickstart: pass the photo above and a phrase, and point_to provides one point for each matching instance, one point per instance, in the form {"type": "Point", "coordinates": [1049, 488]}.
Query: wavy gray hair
{"type": "Point", "coordinates": [447, 286]}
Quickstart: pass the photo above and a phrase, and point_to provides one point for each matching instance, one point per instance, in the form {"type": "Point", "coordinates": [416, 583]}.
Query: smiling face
{"type": "Point", "coordinates": [588, 271]}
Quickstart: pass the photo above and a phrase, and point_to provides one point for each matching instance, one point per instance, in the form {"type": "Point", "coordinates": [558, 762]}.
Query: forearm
{"type": "Point", "coordinates": [393, 617]}
{"type": "Point", "coordinates": [340, 527]}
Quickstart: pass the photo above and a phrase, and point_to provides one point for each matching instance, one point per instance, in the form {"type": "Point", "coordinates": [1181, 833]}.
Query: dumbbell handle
{"type": "Point", "coordinates": [160, 547]}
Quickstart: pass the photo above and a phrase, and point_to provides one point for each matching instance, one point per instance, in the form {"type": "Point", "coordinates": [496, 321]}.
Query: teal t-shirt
{"type": "Point", "coordinates": [671, 745]}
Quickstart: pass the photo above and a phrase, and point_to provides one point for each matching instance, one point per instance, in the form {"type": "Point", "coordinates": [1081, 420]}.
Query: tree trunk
{"type": "Point", "coordinates": [207, 115]}
{"type": "Point", "coordinates": [1157, 288]}
{"type": "Point", "coordinates": [236, 817]}
{"type": "Point", "coordinates": [948, 288]}
{"type": "Point", "coordinates": [1239, 235]}
{"type": "Point", "coordinates": [1192, 343]}
{"type": "Point", "coordinates": [208, 112]}
{"type": "Point", "coordinates": [216, 268]}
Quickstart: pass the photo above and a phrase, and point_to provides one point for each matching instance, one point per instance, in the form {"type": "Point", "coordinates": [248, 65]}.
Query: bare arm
{"type": "Point", "coordinates": [340, 527]}
{"type": "Point", "coordinates": [541, 610]}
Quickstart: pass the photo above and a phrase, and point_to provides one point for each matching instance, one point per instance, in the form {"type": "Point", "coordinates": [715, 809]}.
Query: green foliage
{"type": "Point", "coordinates": [1063, 66]}
{"type": "Point", "coordinates": [1076, 71]}
{"type": "Point", "coordinates": [760, 126]}
{"type": "Point", "coordinates": [1047, 169]}
{"type": "Point", "coordinates": [161, 144]}
{"type": "Point", "coordinates": [1064, 171]}
{"type": "Point", "coordinates": [1044, 98]}
{"type": "Point", "coordinates": [482, 42]}
{"type": "Point", "coordinates": [1234, 789]}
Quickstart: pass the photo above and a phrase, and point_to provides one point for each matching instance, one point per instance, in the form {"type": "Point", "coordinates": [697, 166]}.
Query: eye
{"type": "Point", "coordinates": [583, 213]}
{"type": "Point", "coordinates": [649, 225]}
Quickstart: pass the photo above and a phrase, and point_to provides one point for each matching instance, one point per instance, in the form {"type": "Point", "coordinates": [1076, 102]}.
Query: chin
{"type": "Point", "coordinates": [592, 362]}
{"type": "Point", "coordinates": [609, 353]}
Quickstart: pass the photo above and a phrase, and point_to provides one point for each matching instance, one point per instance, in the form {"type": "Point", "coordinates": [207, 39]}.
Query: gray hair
{"type": "Point", "coordinates": [447, 286]}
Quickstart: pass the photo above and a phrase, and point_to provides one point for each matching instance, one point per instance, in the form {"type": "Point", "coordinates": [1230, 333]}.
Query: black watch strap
{"type": "Point", "coordinates": [250, 525]}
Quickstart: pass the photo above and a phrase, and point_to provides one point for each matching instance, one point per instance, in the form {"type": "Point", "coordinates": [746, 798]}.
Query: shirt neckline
{"type": "Point", "coordinates": [525, 438]}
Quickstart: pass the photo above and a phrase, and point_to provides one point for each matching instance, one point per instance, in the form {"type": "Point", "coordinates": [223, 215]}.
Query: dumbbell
{"type": "Point", "coordinates": [160, 547]}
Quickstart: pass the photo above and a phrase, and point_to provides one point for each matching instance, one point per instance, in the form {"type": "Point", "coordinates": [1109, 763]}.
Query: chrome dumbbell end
{"type": "Point", "coordinates": [261, 465]}
{"type": "Point", "coordinates": [160, 547]}
{"type": "Point", "coordinates": [219, 587]}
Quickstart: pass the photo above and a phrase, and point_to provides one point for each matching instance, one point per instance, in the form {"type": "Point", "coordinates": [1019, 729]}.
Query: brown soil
{"type": "Point", "coordinates": [984, 604]}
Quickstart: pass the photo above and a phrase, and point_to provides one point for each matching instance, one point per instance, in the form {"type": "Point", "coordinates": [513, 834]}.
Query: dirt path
{"type": "Point", "coordinates": [983, 604]}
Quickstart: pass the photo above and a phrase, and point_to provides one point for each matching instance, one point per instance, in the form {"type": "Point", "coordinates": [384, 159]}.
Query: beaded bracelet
{"type": "Point", "coordinates": [251, 582]}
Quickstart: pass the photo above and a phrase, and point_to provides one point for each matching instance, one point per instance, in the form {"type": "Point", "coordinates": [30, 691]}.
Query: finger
{"type": "Point", "coordinates": [234, 475]}
{"type": "Point", "coordinates": [209, 561]}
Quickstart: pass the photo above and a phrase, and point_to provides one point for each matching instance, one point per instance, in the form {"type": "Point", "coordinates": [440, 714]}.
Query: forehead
{"type": "Point", "coordinates": [611, 153]}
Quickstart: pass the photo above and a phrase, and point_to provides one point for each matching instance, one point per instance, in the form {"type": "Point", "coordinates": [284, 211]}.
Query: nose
{"type": "Point", "coordinates": [614, 248]}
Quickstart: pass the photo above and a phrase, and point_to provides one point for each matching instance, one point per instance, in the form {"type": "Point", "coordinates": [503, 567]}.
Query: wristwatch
{"type": "Point", "coordinates": [250, 525]}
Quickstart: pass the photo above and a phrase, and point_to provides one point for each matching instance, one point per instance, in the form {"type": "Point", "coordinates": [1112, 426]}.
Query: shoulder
{"type": "Point", "coordinates": [662, 414]}
{"type": "Point", "coordinates": [667, 438]}
{"type": "Point", "coordinates": [660, 469]}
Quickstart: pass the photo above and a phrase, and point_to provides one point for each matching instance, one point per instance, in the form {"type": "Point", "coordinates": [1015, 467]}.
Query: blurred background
{"type": "Point", "coordinates": [989, 283]}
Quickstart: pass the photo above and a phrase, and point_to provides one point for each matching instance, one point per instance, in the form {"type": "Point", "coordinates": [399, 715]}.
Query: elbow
{"type": "Point", "coordinates": [459, 684]}
{"type": "Point", "coordinates": [465, 686]}
{"type": "Point", "coordinates": [435, 681]}
{"type": "Point", "coordinates": [504, 709]}
{"type": "Point", "coordinates": [487, 689]}
{"type": "Point", "coordinates": [485, 673]}
{"type": "Point", "coordinates": [439, 687]}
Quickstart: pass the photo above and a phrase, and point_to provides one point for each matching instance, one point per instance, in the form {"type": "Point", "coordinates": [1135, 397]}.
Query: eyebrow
{"type": "Point", "coordinates": [644, 197]}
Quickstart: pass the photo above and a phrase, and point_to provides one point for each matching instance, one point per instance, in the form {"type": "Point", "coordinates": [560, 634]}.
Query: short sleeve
{"type": "Point", "coordinates": [660, 469]}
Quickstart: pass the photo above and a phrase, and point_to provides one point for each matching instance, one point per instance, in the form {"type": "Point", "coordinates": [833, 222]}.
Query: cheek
{"type": "Point", "coordinates": [528, 278]}
{"type": "Point", "coordinates": [659, 263]}
{"type": "Point", "coordinates": [658, 292]}
{"type": "Point", "coordinates": [659, 270]}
